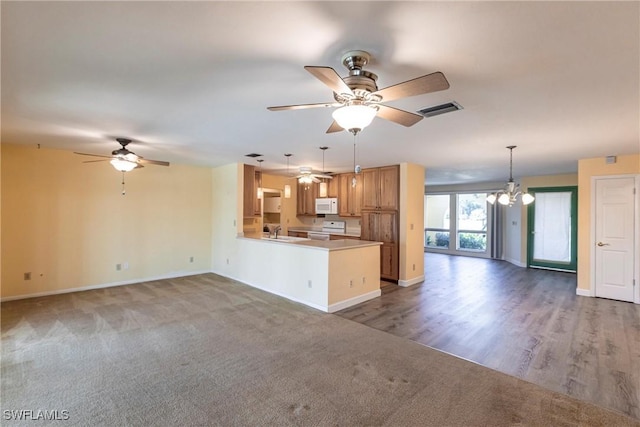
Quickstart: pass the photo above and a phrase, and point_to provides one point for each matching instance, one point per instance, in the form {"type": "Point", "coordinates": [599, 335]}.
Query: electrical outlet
{"type": "Point", "coordinates": [190, 259]}
{"type": "Point", "coordinates": [411, 227]}
{"type": "Point", "coordinates": [234, 222]}
{"type": "Point", "coordinates": [414, 267]}
{"type": "Point", "coordinates": [125, 266]}
{"type": "Point", "coordinates": [118, 267]}
{"type": "Point", "coordinates": [27, 275]}
{"type": "Point", "coordinates": [309, 283]}
{"type": "Point", "coordinates": [364, 279]}
{"type": "Point", "coordinates": [351, 283]}
{"type": "Point", "coordinates": [227, 261]}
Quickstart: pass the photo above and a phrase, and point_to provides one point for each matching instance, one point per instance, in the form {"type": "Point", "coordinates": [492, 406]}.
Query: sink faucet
{"type": "Point", "coordinates": [278, 228]}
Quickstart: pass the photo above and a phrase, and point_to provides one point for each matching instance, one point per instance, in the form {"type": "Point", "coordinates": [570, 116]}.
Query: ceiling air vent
{"type": "Point", "coordinates": [440, 109]}
{"type": "Point", "coordinates": [254, 155]}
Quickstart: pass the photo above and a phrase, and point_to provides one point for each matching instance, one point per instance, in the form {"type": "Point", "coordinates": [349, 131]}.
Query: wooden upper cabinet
{"type": "Point", "coordinates": [306, 198]}
{"type": "Point", "coordinates": [333, 186]}
{"type": "Point", "coordinates": [371, 190]}
{"type": "Point", "coordinates": [381, 188]}
{"type": "Point", "coordinates": [251, 203]}
{"type": "Point", "coordinates": [350, 197]}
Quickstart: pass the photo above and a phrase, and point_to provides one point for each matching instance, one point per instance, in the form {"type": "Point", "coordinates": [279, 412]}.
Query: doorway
{"type": "Point", "coordinates": [615, 237]}
{"type": "Point", "coordinates": [552, 227]}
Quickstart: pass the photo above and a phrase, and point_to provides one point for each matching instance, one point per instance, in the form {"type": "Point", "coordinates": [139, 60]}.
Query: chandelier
{"type": "Point", "coordinates": [511, 191]}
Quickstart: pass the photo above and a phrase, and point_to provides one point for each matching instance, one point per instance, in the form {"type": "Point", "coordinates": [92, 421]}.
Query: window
{"type": "Point", "coordinates": [437, 221]}
{"type": "Point", "coordinates": [465, 232]}
{"type": "Point", "coordinates": [472, 222]}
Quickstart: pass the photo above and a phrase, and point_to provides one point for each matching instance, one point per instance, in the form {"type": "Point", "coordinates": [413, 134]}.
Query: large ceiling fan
{"type": "Point", "coordinates": [123, 159]}
{"type": "Point", "coordinates": [359, 99]}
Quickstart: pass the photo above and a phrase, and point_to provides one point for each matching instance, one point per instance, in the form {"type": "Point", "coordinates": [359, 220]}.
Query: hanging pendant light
{"type": "Point", "coordinates": [323, 184]}
{"type": "Point", "coordinates": [509, 195]}
{"type": "Point", "coordinates": [259, 193]}
{"type": "Point", "coordinates": [287, 187]}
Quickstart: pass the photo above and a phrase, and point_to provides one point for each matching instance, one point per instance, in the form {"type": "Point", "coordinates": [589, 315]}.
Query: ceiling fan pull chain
{"type": "Point", "coordinates": [123, 191]}
{"type": "Point", "coordinates": [354, 181]}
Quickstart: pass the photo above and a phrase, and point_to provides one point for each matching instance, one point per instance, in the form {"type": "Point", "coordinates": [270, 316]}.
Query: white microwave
{"type": "Point", "coordinates": [327, 206]}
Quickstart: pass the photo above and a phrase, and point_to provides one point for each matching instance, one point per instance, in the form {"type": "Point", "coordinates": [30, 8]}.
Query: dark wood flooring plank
{"type": "Point", "coordinates": [524, 322]}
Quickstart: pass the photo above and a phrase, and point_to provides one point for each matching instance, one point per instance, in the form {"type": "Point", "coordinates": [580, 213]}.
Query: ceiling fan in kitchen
{"type": "Point", "coordinates": [307, 175]}
{"type": "Point", "coordinates": [358, 98]}
{"type": "Point", "coordinates": [123, 159]}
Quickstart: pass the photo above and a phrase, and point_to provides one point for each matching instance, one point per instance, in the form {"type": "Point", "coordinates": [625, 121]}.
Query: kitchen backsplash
{"type": "Point", "coordinates": [353, 224]}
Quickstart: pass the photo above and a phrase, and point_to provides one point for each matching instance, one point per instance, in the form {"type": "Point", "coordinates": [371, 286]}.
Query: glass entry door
{"type": "Point", "coordinates": [552, 228]}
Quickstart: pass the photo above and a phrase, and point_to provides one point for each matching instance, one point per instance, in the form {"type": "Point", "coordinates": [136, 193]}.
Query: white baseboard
{"type": "Point", "coordinates": [353, 301]}
{"type": "Point", "coordinates": [280, 294]}
{"type": "Point", "coordinates": [105, 285]}
{"type": "Point", "coordinates": [415, 280]}
{"type": "Point", "coordinates": [516, 262]}
{"type": "Point", "coordinates": [584, 292]}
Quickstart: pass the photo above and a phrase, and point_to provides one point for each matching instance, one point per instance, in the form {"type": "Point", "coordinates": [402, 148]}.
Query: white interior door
{"type": "Point", "coordinates": [614, 238]}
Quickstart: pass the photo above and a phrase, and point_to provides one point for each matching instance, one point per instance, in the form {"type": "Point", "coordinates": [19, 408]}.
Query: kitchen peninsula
{"type": "Point", "coordinates": [327, 275]}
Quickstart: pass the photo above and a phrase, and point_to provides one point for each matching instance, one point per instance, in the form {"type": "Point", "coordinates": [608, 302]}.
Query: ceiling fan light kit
{"type": "Point", "coordinates": [509, 195]}
{"type": "Point", "coordinates": [124, 165]}
{"type": "Point", "coordinates": [355, 117]}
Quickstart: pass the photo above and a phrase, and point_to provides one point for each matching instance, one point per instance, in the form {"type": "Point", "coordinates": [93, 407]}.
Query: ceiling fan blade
{"type": "Point", "coordinates": [401, 117]}
{"type": "Point", "coordinates": [142, 161]}
{"type": "Point", "coordinates": [303, 106]}
{"type": "Point", "coordinates": [93, 161]}
{"type": "Point", "coordinates": [94, 155]}
{"type": "Point", "coordinates": [426, 84]}
{"type": "Point", "coordinates": [335, 127]}
{"type": "Point", "coordinates": [329, 77]}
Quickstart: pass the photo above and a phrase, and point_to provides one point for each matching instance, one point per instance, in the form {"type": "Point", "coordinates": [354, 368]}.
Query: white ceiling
{"type": "Point", "coordinates": [191, 81]}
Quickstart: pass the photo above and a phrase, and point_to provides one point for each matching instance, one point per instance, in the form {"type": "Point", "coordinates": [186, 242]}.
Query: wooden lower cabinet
{"type": "Point", "coordinates": [339, 237]}
{"type": "Point", "coordinates": [382, 226]}
{"type": "Point", "coordinates": [297, 234]}
{"type": "Point", "coordinates": [389, 262]}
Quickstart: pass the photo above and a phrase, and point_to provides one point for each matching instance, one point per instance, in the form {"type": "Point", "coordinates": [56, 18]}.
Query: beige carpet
{"type": "Point", "coordinates": [204, 350]}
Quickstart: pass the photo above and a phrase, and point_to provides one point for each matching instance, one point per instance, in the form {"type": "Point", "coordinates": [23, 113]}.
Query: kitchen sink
{"type": "Point", "coordinates": [283, 238]}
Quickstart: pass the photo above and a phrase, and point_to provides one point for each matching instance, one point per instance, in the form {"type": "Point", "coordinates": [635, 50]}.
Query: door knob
{"type": "Point", "coordinates": [602, 244]}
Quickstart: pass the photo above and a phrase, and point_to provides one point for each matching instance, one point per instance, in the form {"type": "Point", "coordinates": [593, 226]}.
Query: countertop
{"type": "Point", "coordinates": [336, 245]}
{"type": "Point", "coordinates": [326, 245]}
{"type": "Point", "coordinates": [319, 230]}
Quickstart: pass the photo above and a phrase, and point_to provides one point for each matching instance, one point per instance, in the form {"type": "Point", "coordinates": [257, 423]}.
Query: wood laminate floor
{"type": "Point", "coordinates": [524, 322]}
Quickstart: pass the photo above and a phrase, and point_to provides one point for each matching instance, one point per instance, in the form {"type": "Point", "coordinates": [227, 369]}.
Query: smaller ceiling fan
{"type": "Point", "coordinates": [123, 159]}
{"type": "Point", "coordinates": [307, 175]}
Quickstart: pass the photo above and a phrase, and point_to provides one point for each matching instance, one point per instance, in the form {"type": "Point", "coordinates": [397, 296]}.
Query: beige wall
{"type": "Point", "coordinates": [67, 223]}
{"type": "Point", "coordinates": [411, 224]}
{"type": "Point", "coordinates": [527, 182]}
{"type": "Point", "coordinates": [588, 168]}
